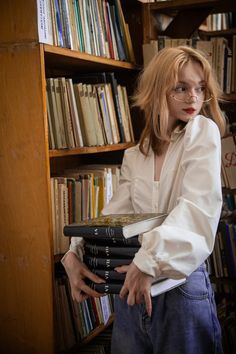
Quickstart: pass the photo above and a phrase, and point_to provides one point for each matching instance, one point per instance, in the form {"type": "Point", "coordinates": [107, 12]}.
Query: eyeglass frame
{"type": "Point", "coordinates": [191, 96]}
{"type": "Point", "coordinates": [198, 99]}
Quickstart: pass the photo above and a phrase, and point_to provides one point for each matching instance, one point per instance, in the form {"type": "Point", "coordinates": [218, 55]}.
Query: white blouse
{"type": "Point", "coordinates": [189, 191]}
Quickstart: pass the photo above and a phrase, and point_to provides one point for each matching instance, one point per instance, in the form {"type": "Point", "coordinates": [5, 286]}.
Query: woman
{"type": "Point", "coordinates": [175, 169]}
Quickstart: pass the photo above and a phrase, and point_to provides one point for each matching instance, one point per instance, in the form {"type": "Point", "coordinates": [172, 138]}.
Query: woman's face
{"type": "Point", "coordinates": [185, 100]}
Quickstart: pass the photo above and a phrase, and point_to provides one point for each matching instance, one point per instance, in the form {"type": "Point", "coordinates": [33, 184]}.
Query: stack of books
{"type": "Point", "coordinates": [112, 241]}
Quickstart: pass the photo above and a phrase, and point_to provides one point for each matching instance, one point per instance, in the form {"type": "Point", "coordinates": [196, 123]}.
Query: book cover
{"type": "Point", "coordinates": [115, 225]}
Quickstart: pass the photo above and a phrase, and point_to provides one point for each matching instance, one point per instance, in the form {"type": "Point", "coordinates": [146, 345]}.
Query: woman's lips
{"type": "Point", "coordinates": [189, 110]}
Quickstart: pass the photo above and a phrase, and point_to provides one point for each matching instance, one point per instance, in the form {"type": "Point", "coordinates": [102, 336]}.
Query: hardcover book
{"type": "Point", "coordinates": [104, 262]}
{"type": "Point", "coordinates": [158, 287]}
{"type": "Point", "coordinates": [115, 225]}
{"type": "Point", "coordinates": [109, 275]}
{"type": "Point", "coordinates": [110, 251]}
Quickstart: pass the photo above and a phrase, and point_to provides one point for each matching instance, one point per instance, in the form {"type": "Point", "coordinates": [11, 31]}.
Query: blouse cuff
{"type": "Point", "coordinates": [76, 249]}
{"type": "Point", "coordinates": [146, 263]}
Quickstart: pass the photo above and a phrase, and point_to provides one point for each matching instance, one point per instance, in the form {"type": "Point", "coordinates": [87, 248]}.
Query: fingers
{"type": "Point", "coordinates": [83, 292]}
{"type": "Point", "coordinates": [124, 292]}
{"type": "Point", "coordinates": [122, 269]}
{"type": "Point", "coordinates": [148, 303]}
{"type": "Point", "coordinates": [93, 277]}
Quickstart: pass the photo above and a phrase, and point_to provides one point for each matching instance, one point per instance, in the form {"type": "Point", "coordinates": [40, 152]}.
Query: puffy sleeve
{"type": "Point", "coordinates": [186, 237]}
{"type": "Point", "coordinates": [119, 204]}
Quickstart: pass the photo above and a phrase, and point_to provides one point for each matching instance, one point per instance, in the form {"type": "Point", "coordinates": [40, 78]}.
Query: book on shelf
{"type": "Point", "coordinates": [158, 287]}
{"type": "Point", "coordinates": [45, 28]}
{"type": "Point", "coordinates": [57, 123]}
{"type": "Point", "coordinates": [66, 113]}
{"type": "Point", "coordinates": [95, 111]}
{"type": "Point", "coordinates": [229, 161]}
{"type": "Point", "coordinates": [105, 113]}
{"type": "Point", "coordinates": [115, 225]}
{"type": "Point", "coordinates": [74, 114]}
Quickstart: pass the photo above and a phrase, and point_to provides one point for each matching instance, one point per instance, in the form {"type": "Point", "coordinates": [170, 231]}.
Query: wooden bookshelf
{"type": "Point", "coordinates": [27, 262]}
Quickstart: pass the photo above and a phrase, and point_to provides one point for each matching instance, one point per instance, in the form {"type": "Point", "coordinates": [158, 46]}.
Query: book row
{"type": "Point", "coordinates": [218, 22]}
{"type": "Point", "coordinates": [79, 195]}
{"type": "Point", "coordinates": [228, 144]}
{"type": "Point", "coordinates": [95, 27]}
{"type": "Point", "coordinates": [220, 54]}
{"type": "Point", "coordinates": [81, 114]}
{"type": "Point", "coordinates": [75, 321]}
{"type": "Point", "coordinates": [223, 258]}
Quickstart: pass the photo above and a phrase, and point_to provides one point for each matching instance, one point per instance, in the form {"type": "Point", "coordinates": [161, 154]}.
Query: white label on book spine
{"type": "Point", "coordinates": [44, 21]}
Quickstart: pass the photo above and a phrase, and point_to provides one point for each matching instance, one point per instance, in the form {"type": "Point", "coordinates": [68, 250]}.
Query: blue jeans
{"type": "Point", "coordinates": [183, 321]}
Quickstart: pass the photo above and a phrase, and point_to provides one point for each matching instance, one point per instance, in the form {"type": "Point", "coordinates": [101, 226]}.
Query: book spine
{"type": "Point", "coordinates": [109, 275]}
{"type": "Point", "coordinates": [94, 232]}
{"type": "Point", "coordinates": [107, 263]}
{"type": "Point", "coordinates": [108, 251]}
{"type": "Point", "coordinates": [107, 288]}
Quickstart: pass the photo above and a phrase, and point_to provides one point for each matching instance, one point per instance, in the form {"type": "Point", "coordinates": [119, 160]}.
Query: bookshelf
{"type": "Point", "coordinates": [27, 263]}
{"type": "Point", "coordinates": [183, 20]}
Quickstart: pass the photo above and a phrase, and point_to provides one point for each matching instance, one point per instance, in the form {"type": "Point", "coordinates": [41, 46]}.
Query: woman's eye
{"type": "Point", "coordinates": [200, 89]}
{"type": "Point", "coordinates": [180, 89]}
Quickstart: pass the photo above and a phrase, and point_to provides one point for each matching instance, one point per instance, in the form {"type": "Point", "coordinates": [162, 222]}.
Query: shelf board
{"type": "Point", "coordinates": [97, 331]}
{"type": "Point", "coordinates": [229, 97]}
{"type": "Point", "coordinates": [222, 33]}
{"type": "Point", "coordinates": [216, 5]}
{"type": "Point", "coordinates": [89, 150]}
{"type": "Point", "coordinates": [57, 58]}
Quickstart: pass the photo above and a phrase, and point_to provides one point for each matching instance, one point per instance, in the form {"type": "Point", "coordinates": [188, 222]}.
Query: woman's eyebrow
{"type": "Point", "coordinates": [202, 82]}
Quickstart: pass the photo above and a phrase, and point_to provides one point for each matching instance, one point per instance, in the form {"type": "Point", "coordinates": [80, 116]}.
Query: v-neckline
{"type": "Point", "coordinates": [163, 163]}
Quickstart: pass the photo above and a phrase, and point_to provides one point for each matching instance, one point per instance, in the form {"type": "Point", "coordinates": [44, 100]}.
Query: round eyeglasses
{"type": "Point", "coordinates": [182, 93]}
{"type": "Point", "coordinates": [185, 97]}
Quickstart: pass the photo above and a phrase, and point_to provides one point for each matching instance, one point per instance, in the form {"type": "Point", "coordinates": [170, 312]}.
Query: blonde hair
{"type": "Point", "coordinates": [153, 86]}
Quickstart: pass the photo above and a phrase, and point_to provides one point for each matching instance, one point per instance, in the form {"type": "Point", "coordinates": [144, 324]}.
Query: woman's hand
{"type": "Point", "coordinates": [77, 272]}
{"type": "Point", "coordinates": [137, 286]}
